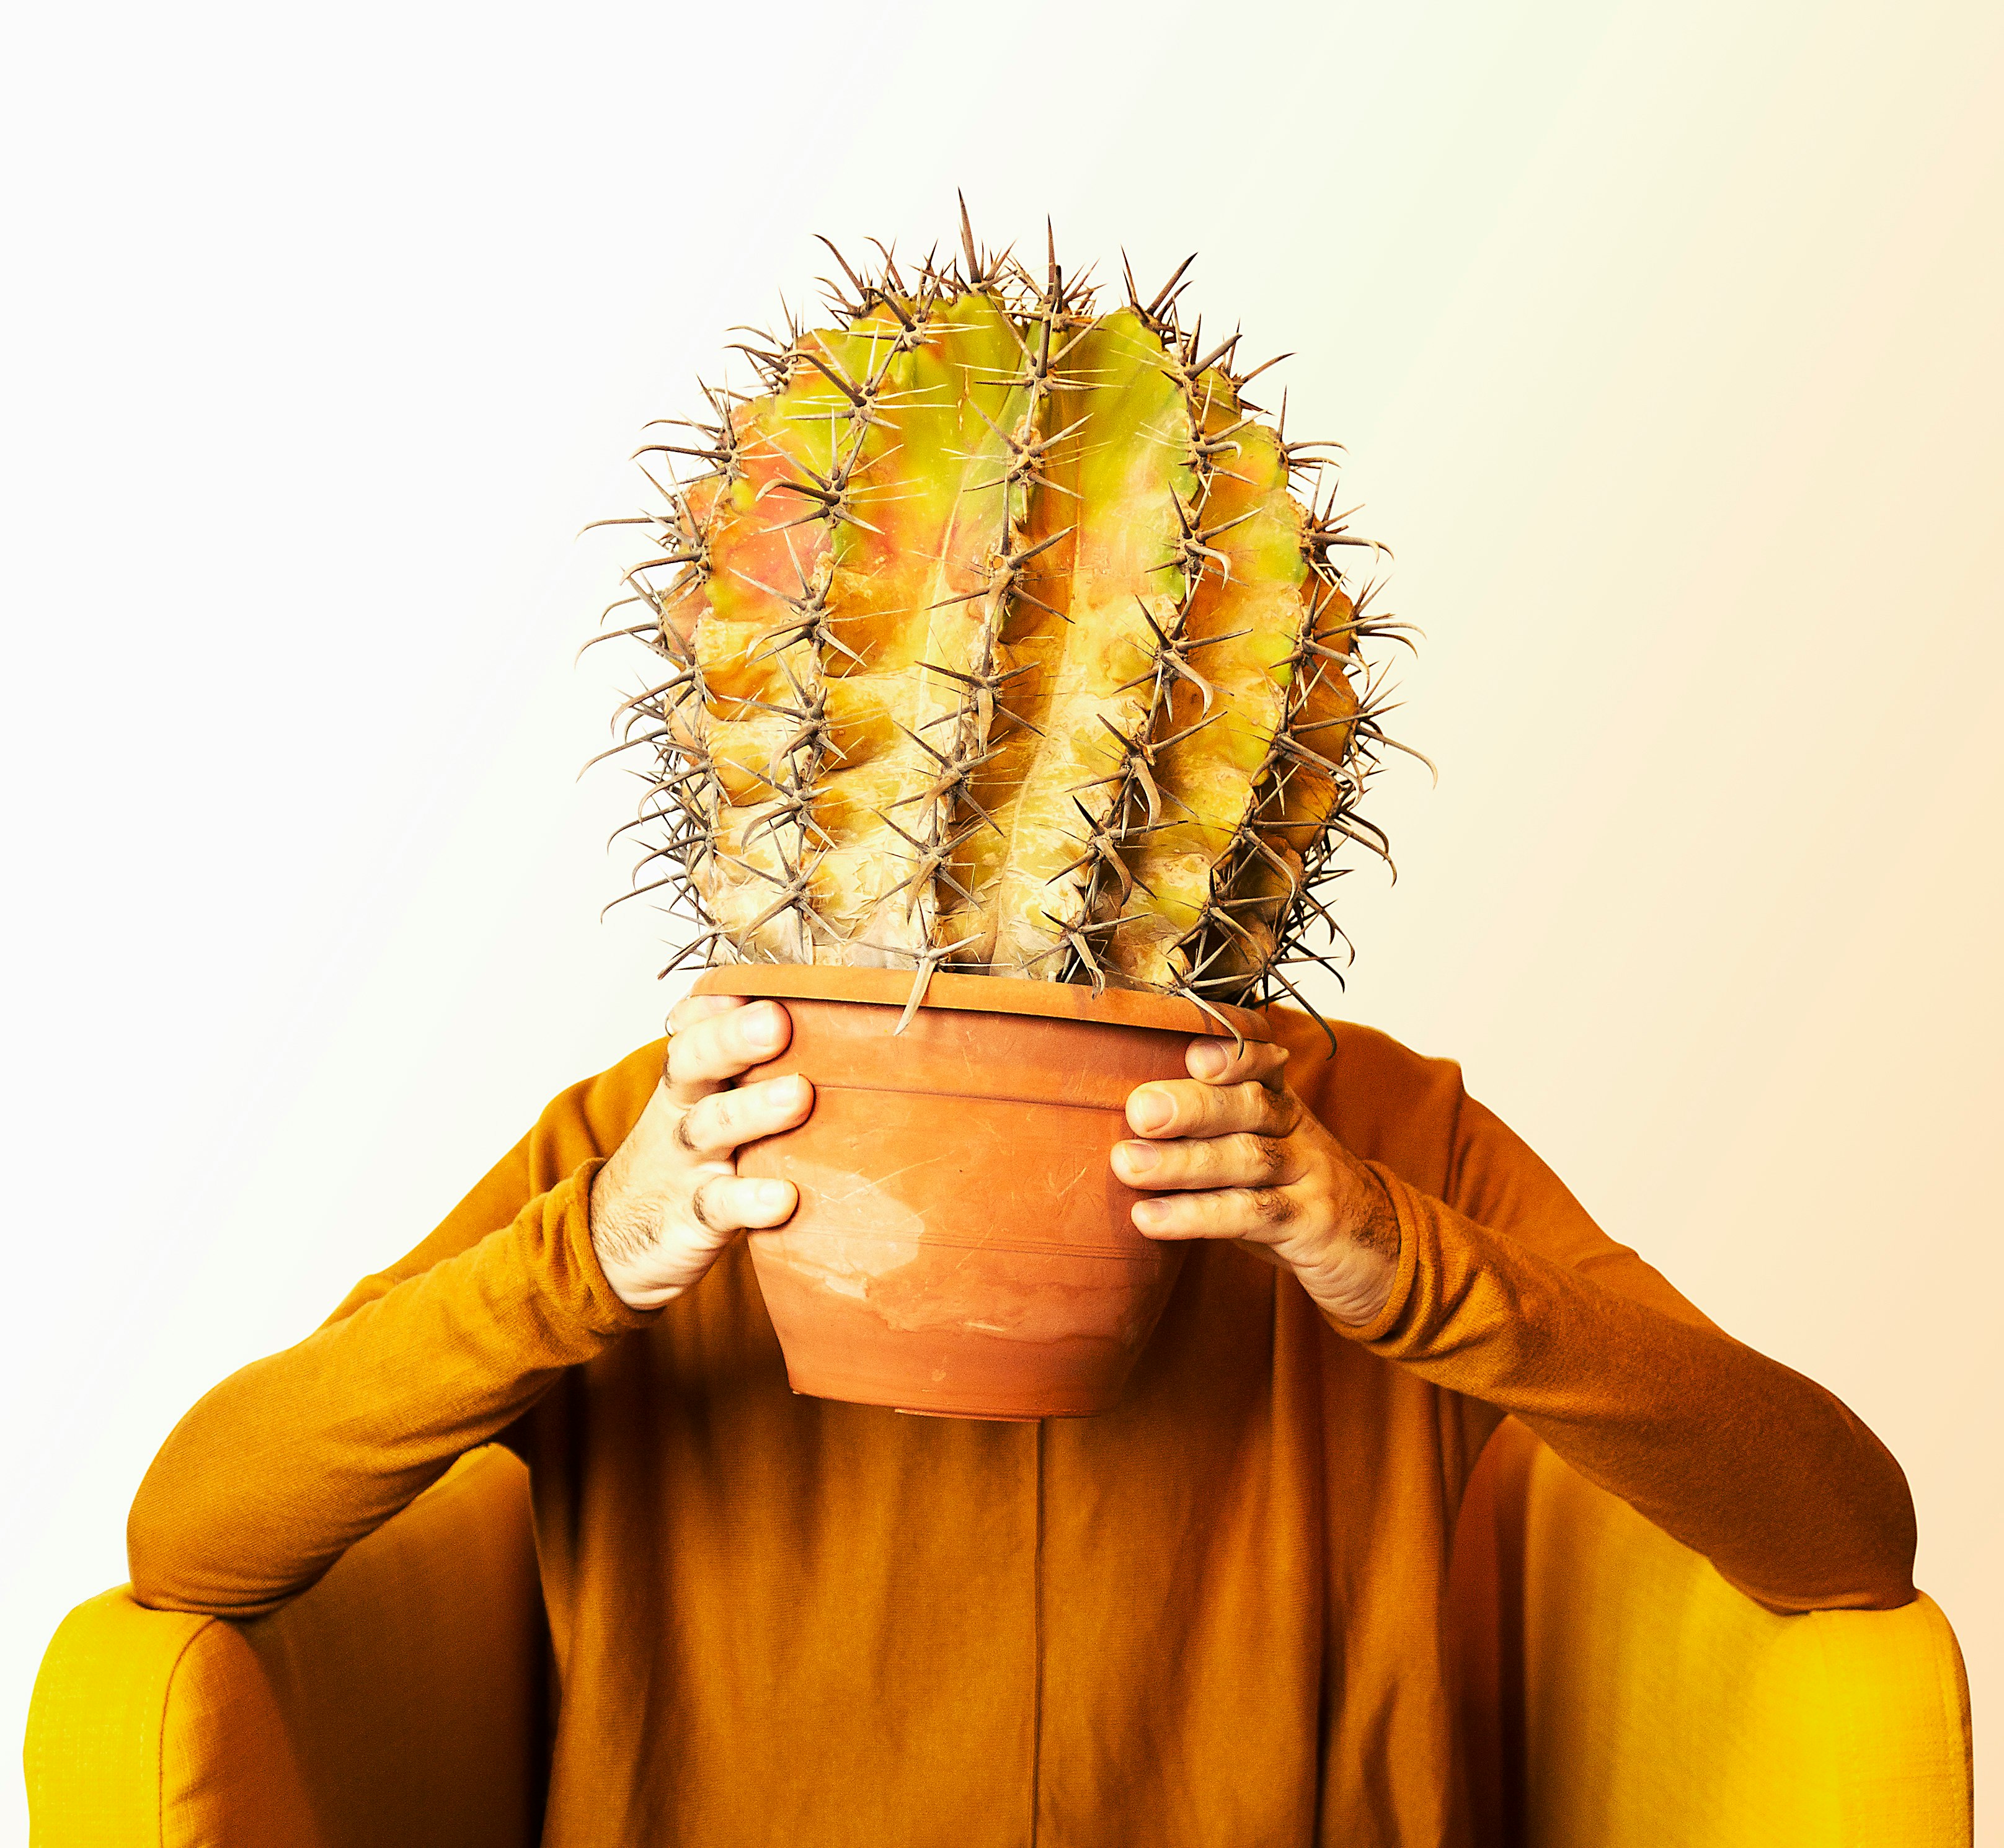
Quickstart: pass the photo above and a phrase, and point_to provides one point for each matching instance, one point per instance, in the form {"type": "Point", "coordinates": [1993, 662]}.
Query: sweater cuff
{"type": "Point", "coordinates": [562, 1228]}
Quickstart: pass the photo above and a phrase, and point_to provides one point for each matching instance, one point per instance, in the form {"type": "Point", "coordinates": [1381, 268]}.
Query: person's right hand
{"type": "Point", "coordinates": [671, 1199]}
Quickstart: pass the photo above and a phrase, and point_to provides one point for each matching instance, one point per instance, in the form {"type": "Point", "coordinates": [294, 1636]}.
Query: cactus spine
{"type": "Point", "coordinates": [999, 639]}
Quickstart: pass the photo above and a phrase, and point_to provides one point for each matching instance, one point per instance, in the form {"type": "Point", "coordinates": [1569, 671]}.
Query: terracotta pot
{"type": "Point", "coordinates": [961, 1246]}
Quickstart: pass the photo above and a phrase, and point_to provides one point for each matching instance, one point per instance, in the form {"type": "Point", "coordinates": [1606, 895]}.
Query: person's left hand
{"type": "Point", "coordinates": [1232, 1153]}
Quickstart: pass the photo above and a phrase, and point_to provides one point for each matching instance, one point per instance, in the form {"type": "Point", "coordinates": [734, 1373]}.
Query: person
{"type": "Point", "coordinates": [1213, 1614]}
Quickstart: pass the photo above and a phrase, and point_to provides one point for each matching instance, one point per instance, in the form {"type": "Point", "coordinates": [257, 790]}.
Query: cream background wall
{"type": "Point", "coordinates": [1666, 344]}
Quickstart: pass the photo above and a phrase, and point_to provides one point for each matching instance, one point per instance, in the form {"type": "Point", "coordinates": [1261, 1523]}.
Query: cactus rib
{"type": "Point", "coordinates": [996, 634]}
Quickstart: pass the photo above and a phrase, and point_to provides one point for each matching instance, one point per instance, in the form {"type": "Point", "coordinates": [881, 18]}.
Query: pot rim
{"type": "Point", "coordinates": [960, 993]}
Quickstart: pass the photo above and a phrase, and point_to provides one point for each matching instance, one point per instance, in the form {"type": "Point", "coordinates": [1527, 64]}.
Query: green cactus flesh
{"type": "Point", "coordinates": [1001, 640]}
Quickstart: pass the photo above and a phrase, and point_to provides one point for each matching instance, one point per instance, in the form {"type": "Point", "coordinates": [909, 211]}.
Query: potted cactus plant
{"type": "Point", "coordinates": [1009, 712]}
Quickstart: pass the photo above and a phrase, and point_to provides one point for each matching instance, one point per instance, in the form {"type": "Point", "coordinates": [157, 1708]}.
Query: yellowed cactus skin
{"type": "Point", "coordinates": [1081, 646]}
{"type": "Point", "coordinates": [916, 603]}
{"type": "Point", "coordinates": [1228, 697]}
{"type": "Point", "coordinates": [1000, 638]}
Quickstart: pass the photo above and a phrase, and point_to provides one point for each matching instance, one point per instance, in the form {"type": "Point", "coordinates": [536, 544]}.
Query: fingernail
{"type": "Point", "coordinates": [1139, 1157]}
{"type": "Point", "coordinates": [1149, 1109]}
{"type": "Point", "coordinates": [766, 1026]}
{"type": "Point", "coordinates": [1208, 1059]}
{"type": "Point", "coordinates": [773, 1195]}
{"type": "Point", "coordinates": [1151, 1212]}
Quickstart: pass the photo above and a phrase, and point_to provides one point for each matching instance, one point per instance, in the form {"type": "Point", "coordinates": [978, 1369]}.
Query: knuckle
{"type": "Point", "coordinates": [707, 1214]}
{"type": "Point", "coordinates": [1231, 1110]}
{"type": "Point", "coordinates": [1207, 1159]}
{"type": "Point", "coordinates": [1264, 1156]}
{"type": "Point", "coordinates": [1210, 1108]}
{"type": "Point", "coordinates": [676, 1064]}
{"type": "Point", "coordinates": [698, 1206]}
{"type": "Point", "coordinates": [703, 1124]}
{"type": "Point", "coordinates": [724, 1112]}
{"type": "Point", "coordinates": [1271, 1206]}
{"type": "Point", "coordinates": [685, 1055]}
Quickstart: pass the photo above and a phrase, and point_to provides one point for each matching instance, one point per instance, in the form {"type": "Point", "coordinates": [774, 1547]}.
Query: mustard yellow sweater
{"type": "Point", "coordinates": [1211, 1616]}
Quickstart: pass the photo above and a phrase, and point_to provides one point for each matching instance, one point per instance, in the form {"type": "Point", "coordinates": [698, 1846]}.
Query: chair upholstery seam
{"type": "Point", "coordinates": [1951, 1679]}
{"type": "Point", "coordinates": [160, 1744]}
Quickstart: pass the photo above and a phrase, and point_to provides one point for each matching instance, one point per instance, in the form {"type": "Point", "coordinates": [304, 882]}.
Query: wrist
{"type": "Point", "coordinates": [633, 1287]}
{"type": "Point", "coordinates": [619, 1241]}
{"type": "Point", "coordinates": [1360, 1266]}
{"type": "Point", "coordinates": [1354, 1289]}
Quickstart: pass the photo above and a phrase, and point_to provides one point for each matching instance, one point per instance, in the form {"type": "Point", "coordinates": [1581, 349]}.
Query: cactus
{"type": "Point", "coordinates": [996, 636]}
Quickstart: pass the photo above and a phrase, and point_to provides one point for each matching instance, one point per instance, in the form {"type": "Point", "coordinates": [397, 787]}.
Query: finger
{"type": "Point", "coordinates": [693, 1007]}
{"type": "Point", "coordinates": [1261, 1214]}
{"type": "Point", "coordinates": [719, 1047]}
{"type": "Point", "coordinates": [723, 1120]}
{"type": "Point", "coordinates": [1235, 1161]}
{"type": "Point", "coordinates": [728, 1203]}
{"type": "Point", "coordinates": [1218, 1062]}
{"type": "Point", "coordinates": [1190, 1107]}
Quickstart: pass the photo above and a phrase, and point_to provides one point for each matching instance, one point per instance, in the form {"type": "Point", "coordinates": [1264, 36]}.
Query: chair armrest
{"type": "Point", "coordinates": [1662, 1707]}
{"type": "Point", "coordinates": [399, 1700]}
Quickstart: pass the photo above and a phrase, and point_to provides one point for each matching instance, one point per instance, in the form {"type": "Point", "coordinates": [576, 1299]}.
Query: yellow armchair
{"type": "Point", "coordinates": [399, 1700]}
{"type": "Point", "coordinates": [1616, 1693]}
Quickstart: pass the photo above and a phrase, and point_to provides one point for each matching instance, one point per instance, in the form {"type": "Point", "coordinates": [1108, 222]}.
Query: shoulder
{"type": "Point", "coordinates": [1386, 1101]}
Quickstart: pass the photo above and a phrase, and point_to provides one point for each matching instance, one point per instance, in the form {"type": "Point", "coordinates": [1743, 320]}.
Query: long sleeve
{"type": "Point", "coordinates": [1513, 1297]}
{"type": "Point", "coordinates": [273, 1475]}
{"type": "Point", "coordinates": [774, 1617]}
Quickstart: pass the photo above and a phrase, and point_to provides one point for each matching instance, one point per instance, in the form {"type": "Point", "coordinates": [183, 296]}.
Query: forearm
{"type": "Point", "coordinates": [1762, 1471]}
{"type": "Point", "coordinates": [274, 1473]}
